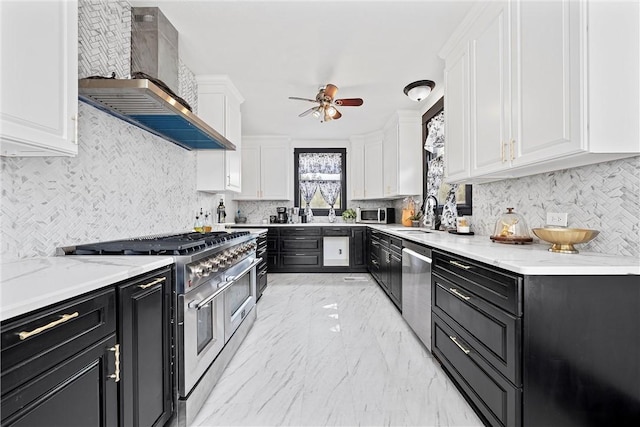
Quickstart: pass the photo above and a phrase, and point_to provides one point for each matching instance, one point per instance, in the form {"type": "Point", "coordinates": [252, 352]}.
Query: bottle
{"type": "Point", "coordinates": [222, 214]}
{"type": "Point", "coordinates": [207, 222]}
{"type": "Point", "coordinates": [197, 225]}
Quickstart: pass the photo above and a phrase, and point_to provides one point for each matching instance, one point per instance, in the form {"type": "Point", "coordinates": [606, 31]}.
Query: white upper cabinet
{"type": "Point", "coordinates": [266, 168]}
{"type": "Point", "coordinates": [355, 159]}
{"type": "Point", "coordinates": [219, 105]}
{"type": "Point", "coordinates": [39, 78]}
{"type": "Point", "coordinates": [551, 85]}
{"type": "Point", "coordinates": [373, 166]}
{"type": "Point", "coordinates": [403, 155]}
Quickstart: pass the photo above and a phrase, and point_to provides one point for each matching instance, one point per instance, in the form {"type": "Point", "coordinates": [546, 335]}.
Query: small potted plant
{"type": "Point", "coordinates": [349, 215]}
{"type": "Point", "coordinates": [415, 219]}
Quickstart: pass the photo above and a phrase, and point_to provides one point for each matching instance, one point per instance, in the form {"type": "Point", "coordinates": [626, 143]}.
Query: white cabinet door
{"type": "Point", "coordinates": [373, 167]}
{"type": "Point", "coordinates": [490, 91]}
{"type": "Point", "coordinates": [409, 155]}
{"type": "Point", "coordinates": [545, 71]}
{"type": "Point", "coordinates": [390, 159]}
{"type": "Point", "coordinates": [276, 172]}
{"type": "Point", "coordinates": [39, 78]}
{"type": "Point", "coordinates": [266, 169]}
{"type": "Point", "coordinates": [219, 106]}
{"type": "Point", "coordinates": [456, 103]}
{"type": "Point", "coordinates": [356, 169]}
{"type": "Point", "coordinates": [250, 172]}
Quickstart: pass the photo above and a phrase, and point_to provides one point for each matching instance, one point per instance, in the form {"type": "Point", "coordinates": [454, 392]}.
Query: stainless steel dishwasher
{"type": "Point", "coordinates": [416, 290]}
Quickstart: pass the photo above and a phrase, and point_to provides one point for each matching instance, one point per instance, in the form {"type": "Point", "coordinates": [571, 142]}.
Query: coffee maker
{"type": "Point", "coordinates": [282, 215]}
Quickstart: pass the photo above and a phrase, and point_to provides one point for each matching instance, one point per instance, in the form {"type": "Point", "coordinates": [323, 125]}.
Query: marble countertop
{"type": "Point", "coordinates": [306, 224]}
{"type": "Point", "coordinates": [528, 259]}
{"type": "Point", "coordinates": [34, 283]}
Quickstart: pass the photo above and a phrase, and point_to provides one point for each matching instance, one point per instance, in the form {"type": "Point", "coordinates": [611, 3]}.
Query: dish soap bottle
{"type": "Point", "coordinates": [222, 214]}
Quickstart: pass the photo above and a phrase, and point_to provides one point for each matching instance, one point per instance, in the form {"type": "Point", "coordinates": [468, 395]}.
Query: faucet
{"type": "Point", "coordinates": [430, 214]}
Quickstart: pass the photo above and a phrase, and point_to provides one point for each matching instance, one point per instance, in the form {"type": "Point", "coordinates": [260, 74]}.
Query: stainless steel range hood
{"type": "Point", "coordinates": [144, 104]}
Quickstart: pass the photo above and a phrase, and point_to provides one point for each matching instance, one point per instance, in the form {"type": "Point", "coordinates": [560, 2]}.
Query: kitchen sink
{"type": "Point", "coordinates": [410, 230]}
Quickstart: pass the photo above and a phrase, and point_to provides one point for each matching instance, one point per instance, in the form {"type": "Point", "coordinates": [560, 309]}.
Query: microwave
{"type": "Point", "coordinates": [376, 216]}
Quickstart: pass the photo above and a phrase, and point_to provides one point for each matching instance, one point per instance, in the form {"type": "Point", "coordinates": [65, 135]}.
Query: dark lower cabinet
{"type": "Point", "coordinates": [385, 264]}
{"type": "Point", "coordinates": [100, 359]}
{"type": "Point", "coordinates": [59, 364]}
{"type": "Point", "coordinates": [77, 392]}
{"type": "Point", "coordinates": [357, 252]}
{"type": "Point", "coordinates": [261, 270]}
{"type": "Point", "coordinates": [538, 350]}
{"type": "Point", "coordinates": [144, 326]}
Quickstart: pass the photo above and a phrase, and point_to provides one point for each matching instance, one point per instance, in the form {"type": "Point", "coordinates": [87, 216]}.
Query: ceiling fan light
{"type": "Point", "coordinates": [331, 111]}
{"type": "Point", "coordinates": [419, 90]}
{"type": "Point", "coordinates": [316, 114]}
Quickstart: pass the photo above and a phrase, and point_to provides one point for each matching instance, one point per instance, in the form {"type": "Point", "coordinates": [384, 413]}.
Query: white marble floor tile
{"type": "Point", "coordinates": [329, 352]}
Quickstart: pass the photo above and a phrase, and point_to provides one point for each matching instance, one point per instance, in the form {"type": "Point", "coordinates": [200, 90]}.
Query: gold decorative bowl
{"type": "Point", "coordinates": [563, 239]}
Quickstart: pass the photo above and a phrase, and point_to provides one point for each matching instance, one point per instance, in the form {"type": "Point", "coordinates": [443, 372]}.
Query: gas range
{"type": "Point", "coordinates": [197, 255]}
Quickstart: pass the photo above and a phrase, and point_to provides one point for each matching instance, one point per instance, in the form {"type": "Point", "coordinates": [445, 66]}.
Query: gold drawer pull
{"type": "Point", "coordinates": [116, 375]}
{"type": "Point", "coordinates": [455, 341]}
{"type": "Point", "coordinates": [26, 334]}
{"type": "Point", "coordinates": [458, 294]}
{"type": "Point", "coordinates": [155, 282]}
{"type": "Point", "coordinates": [457, 264]}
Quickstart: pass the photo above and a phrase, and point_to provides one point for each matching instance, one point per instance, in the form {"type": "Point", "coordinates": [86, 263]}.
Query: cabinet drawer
{"type": "Point", "coordinates": [395, 244]}
{"type": "Point", "coordinates": [300, 243]}
{"type": "Point", "coordinates": [336, 231]}
{"type": "Point", "coordinates": [498, 287]}
{"type": "Point", "coordinates": [496, 398]}
{"type": "Point", "coordinates": [301, 260]}
{"type": "Point", "coordinates": [54, 334]}
{"type": "Point", "coordinates": [301, 231]}
{"type": "Point", "coordinates": [272, 244]}
{"type": "Point", "coordinates": [495, 334]}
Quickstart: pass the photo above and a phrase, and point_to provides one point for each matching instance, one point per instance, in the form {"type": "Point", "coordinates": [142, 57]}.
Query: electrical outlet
{"type": "Point", "coordinates": [557, 219]}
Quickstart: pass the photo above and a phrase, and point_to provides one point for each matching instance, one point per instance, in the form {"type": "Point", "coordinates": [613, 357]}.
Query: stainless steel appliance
{"type": "Point", "coordinates": [214, 299]}
{"type": "Point", "coordinates": [416, 290]}
{"type": "Point", "coordinates": [376, 216]}
{"type": "Point", "coordinates": [282, 215]}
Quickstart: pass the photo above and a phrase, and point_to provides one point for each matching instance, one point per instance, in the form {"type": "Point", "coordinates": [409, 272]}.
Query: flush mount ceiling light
{"type": "Point", "coordinates": [417, 91]}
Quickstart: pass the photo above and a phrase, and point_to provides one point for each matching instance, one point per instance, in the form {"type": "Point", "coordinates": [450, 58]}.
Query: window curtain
{"type": "Point", "coordinates": [320, 170]}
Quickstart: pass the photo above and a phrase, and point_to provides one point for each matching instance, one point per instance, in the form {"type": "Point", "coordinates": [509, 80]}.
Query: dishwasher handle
{"type": "Point", "coordinates": [417, 255]}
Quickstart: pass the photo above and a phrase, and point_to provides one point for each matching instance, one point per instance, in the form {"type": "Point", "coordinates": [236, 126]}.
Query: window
{"type": "Point", "coordinates": [321, 179]}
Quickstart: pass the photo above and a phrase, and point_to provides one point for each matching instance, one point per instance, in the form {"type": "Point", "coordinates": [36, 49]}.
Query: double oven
{"type": "Point", "coordinates": [214, 296]}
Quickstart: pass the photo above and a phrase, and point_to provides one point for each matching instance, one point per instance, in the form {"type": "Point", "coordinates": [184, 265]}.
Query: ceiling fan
{"type": "Point", "coordinates": [326, 109]}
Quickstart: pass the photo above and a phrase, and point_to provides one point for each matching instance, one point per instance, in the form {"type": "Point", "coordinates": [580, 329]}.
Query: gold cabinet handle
{"type": "Point", "coordinates": [457, 264]}
{"type": "Point", "coordinates": [154, 282]}
{"type": "Point", "coordinates": [116, 375]}
{"type": "Point", "coordinates": [455, 341]}
{"type": "Point", "coordinates": [65, 317]}
{"type": "Point", "coordinates": [459, 294]}
{"type": "Point", "coordinates": [513, 149]}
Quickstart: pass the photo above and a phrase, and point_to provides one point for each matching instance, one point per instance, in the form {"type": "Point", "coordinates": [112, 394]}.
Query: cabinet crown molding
{"type": "Point", "coordinates": [214, 83]}
{"type": "Point", "coordinates": [461, 31]}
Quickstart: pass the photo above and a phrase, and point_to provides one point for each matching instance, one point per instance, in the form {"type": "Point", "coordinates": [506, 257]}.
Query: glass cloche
{"type": "Point", "coordinates": [511, 228]}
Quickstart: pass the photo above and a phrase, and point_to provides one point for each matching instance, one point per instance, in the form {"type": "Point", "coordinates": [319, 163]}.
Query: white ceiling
{"type": "Point", "coordinates": [275, 49]}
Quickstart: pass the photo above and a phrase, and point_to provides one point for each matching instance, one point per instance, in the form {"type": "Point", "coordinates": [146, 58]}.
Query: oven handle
{"type": "Point", "coordinates": [230, 281]}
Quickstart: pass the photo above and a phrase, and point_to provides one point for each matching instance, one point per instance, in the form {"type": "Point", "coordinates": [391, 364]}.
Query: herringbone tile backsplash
{"type": "Point", "coordinates": [604, 197]}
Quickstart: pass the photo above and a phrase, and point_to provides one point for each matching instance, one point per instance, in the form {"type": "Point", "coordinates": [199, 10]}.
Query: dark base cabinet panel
{"type": "Point", "coordinates": [582, 351]}
{"type": "Point", "coordinates": [497, 399]}
{"type": "Point", "coordinates": [146, 394]}
{"type": "Point", "coordinates": [75, 393]}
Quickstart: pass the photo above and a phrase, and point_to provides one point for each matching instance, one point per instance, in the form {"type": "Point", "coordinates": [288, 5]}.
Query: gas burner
{"type": "Point", "coordinates": [175, 244]}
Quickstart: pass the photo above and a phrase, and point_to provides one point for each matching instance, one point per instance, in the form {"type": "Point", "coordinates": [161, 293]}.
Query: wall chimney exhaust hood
{"type": "Point", "coordinates": [144, 104]}
{"type": "Point", "coordinates": [148, 100]}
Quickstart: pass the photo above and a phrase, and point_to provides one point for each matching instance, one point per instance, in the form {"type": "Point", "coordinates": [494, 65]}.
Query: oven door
{"type": "Point", "coordinates": [240, 296]}
{"type": "Point", "coordinates": [201, 333]}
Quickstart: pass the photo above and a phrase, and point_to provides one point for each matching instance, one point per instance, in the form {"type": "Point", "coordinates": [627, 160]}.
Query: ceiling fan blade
{"type": "Point", "coordinates": [337, 115]}
{"type": "Point", "coordinates": [349, 102]}
{"type": "Point", "coordinates": [302, 99]}
{"type": "Point", "coordinates": [307, 112]}
{"type": "Point", "coordinates": [330, 90]}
